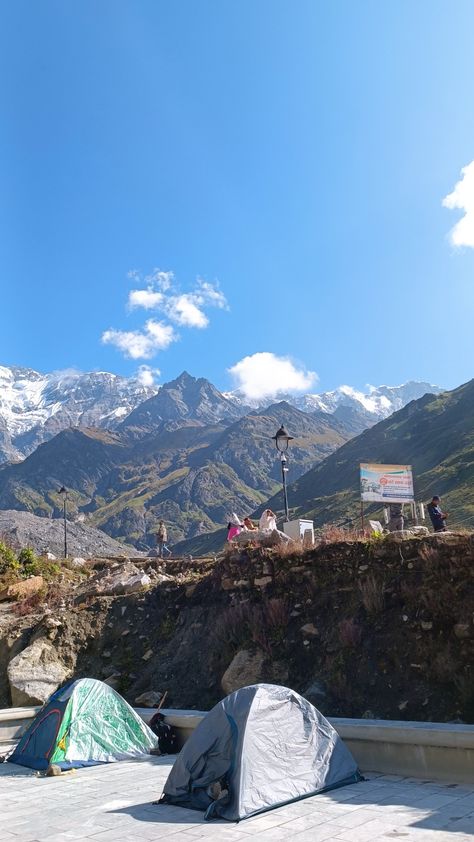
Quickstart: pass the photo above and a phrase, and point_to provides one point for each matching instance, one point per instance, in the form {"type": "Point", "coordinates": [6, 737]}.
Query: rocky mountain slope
{"type": "Point", "coordinates": [22, 529]}
{"type": "Point", "coordinates": [184, 399]}
{"type": "Point", "coordinates": [193, 476]}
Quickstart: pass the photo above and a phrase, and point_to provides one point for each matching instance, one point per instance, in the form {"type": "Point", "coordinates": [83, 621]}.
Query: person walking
{"type": "Point", "coordinates": [161, 540]}
{"type": "Point", "coordinates": [438, 517]}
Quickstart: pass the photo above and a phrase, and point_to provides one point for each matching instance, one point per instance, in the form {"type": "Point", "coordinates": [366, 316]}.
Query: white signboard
{"type": "Point", "coordinates": [386, 483]}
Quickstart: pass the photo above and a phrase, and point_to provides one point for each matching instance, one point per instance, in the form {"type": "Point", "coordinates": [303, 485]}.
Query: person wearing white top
{"type": "Point", "coordinates": [268, 520]}
{"type": "Point", "coordinates": [267, 523]}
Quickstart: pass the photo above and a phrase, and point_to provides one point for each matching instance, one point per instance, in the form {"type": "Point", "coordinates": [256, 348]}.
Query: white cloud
{"type": "Point", "coordinates": [141, 344]}
{"type": "Point", "coordinates": [211, 294]}
{"type": "Point", "coordinates": [146, 298]}
{"type": "Point", "coordinates": [184, 310]}
{"type": "Point", "coordinates": [146, 375]}
{"type": "Point", "coordinates": [159, 292]}
{"type": "Point", "coordinates": [264, 375]}
{"type": "Point", "coordinates": [163, 280]}
{"type": "Point", "coordinates": [462, 197]}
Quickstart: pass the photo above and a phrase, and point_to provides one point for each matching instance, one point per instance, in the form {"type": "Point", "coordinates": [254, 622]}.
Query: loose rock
{"type": "Point", "coordinates": [35, 674]}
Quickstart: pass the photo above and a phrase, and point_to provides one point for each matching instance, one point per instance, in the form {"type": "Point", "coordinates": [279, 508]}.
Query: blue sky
{"type": "Point", "coordinates": [290, 158]}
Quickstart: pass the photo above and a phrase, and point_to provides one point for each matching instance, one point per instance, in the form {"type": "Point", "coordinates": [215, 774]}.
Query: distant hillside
{"type": "Point", "coordinates": [435, 434]}
{"type": "Point", "coordinates": [23, 529]}
{"type": "Point", "coordinates": [192, 475]}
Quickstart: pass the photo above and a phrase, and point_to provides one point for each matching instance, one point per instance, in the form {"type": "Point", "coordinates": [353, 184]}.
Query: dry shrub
{"type": "Point", "coordinates": [30, 605]}
{"type": "Point", "coordinates": [440, 602]}
{"type": "Point", "coordinates": [372, 591]}
{"type": "Point", "coordinates": [231, 627]}
{"type": "Point", "coordinates": [443, 666]}
{"type": "Point", "coordinates": [53, 596]}
{"type": "Point", "coordinates": [340, 687]}
{"type": "Point", "coordinates": [286, 549]}
{"type": "Point", "coordinates": [428, 553]}
{"type": "Point", "coordinates": [336, 534]}
{"type": "Point", "coordinates": [277, 613]}
{"type": "Point", "coordinates": [350, 633]}
{"type": "Point", "coordinates": [262, 625]}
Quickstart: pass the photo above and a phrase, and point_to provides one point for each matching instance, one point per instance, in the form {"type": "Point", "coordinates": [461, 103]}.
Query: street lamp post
{"type": "Point", "coordinates": [282, 439]}
{"type": "Point", "coordinates": [63, 492]}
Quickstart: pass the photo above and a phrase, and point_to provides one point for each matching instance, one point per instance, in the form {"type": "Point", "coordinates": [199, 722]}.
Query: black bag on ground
{"type": "Point", "coordinates": [167, 736]}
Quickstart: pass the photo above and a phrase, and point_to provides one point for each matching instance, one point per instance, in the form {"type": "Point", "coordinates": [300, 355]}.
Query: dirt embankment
{"type": "Point", "coordinates": [371, 628]}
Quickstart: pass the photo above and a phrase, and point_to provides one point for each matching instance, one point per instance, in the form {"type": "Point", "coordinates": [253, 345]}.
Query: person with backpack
{"type": "Point", "coordinates": [161, 539]}
{"type": "Point", "coordinates": [167, 736]}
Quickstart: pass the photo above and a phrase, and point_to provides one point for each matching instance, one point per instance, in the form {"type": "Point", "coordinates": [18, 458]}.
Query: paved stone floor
{"type": "Point", "coordinates": [113, 803]}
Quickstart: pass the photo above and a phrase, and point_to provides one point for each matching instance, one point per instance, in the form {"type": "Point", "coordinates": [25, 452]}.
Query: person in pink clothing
{"type": "Point", "coordinates": [234, 527]}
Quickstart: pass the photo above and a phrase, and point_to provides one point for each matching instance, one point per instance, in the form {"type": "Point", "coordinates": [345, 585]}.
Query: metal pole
{"type": "Point", "coordinates": [283, 476]}
{"type": "Point", "coordinates": [362, 515]}
{"type": "Point", "coordinates": [65, 529]}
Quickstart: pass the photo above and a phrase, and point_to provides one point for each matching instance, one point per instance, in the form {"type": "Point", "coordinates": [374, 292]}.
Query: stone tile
{"type": "Point", "coordinates": [356, 818]}
{"type": "Point", "coordinates": [115, 803]}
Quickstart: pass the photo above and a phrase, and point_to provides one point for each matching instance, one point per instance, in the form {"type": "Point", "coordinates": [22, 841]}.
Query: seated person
{"type": "Point", "coordinates": [268, 520]}
{"type": "Point", "coordinates": [249, 525]}
{"type": "Point", "coordinates": [267, 523]}
{"type": "Point", "coordinates": [234, 527]}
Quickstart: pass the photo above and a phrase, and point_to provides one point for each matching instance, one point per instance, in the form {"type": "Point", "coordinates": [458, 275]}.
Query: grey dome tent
{"type": "Point", "coordinates": [266, 745]}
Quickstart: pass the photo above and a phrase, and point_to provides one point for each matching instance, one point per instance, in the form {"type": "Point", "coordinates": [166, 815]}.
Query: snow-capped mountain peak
{"type": "Point", "coordinates": [377, 403]}
{"type": "Point", "coordinates": [35, 406]}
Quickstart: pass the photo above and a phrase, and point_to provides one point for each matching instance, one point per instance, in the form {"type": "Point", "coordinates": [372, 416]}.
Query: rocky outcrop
{"type": "Point", "coordinates": [245, 668]}
{"type": "Point", "coordinates": [23, 590]}
{"type": "Point", "coordinates": [252, 668]}
{"type": "Point", "coordinates": [43, 534]}
{"type": "Point", "coordinates": [35, 673]}
{"type": "Point", "coordinates": [118, 580]}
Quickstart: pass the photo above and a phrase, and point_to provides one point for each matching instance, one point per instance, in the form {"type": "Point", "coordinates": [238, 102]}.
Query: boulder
{"type": "Point", "coordinates": [114, 681]}
{"type": "Point", "coordinates": [35, 673]}
{"type": "Point", "coordinates": [463, 630]}
{"type": "Point", "coordinates": [251, 668]}
{"type": "Point", "coordinates": [121, 579]}
{"type": "Point", "coordinates": [150, 699]}
{"type": "Point", "coordinates": [244, 669]}
{"type": "Point", "coordinates": [23, 589]}
{"type": "Point", "coordinates": [309, 630]}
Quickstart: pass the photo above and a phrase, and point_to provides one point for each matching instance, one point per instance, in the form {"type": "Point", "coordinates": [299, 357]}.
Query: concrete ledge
{"type": "Point", "coordinates": [439, 734]}
{"type": "Point", "coordinates": [434, 750]}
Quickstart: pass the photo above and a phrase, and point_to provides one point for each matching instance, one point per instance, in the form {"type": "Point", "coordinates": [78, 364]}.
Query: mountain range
{"type": "Point", "coordinates": [186, 453]}
{"type": "Point", "coordinates": [35, 407]}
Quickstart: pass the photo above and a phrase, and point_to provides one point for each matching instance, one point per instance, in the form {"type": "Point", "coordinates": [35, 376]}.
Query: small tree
{"type": "Point", "coordinates": [28, 561]}
{"type": "Point", "coordinates": [8, 559]}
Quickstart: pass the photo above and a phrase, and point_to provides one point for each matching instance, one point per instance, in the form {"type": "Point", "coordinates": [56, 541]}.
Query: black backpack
{"type": "Point", "coordinates": [167, 736]}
